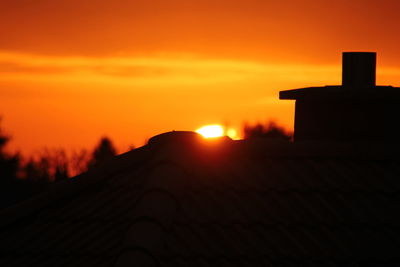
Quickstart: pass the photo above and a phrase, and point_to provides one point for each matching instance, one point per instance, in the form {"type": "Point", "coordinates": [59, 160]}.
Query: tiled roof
{"type": "Point", "coordinates": [184, 201]}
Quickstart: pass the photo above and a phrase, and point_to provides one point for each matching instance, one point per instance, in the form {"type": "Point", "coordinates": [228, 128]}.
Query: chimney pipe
{"type": "Point", "coordinates": [358, 69]}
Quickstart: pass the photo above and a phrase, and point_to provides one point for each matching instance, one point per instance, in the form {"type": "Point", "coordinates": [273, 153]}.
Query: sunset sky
{"type": "Point", "coordinates": [72, 71]}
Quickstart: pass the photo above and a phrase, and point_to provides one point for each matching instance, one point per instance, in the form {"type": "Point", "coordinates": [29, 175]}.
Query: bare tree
{"type": "Point", "coordinates": [79, 161]}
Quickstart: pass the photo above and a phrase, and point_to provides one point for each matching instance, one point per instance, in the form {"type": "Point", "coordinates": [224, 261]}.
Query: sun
{"type": "Point", "coordinates": [216, 130]}
{"type": "Point", "coordinates": [210, 131]}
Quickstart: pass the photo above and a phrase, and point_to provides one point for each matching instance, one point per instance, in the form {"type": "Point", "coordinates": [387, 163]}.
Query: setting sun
{"type": "Point", "coordinates": [210, 131]}
{"type": "Point", "coordinates": [216, 130]}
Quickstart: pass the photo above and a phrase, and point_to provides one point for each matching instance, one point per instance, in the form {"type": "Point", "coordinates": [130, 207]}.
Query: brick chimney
{"type": "Point", "coordinates": [356, 111]}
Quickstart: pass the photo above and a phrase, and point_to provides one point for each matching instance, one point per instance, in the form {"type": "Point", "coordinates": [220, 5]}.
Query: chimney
{"type": "Point", "coordinates": [356, 111]}
{"type": "Point", "coordinates": [358, 69]}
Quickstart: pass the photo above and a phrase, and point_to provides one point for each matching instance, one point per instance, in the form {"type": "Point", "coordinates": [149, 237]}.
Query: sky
{"type": "Point", "coordinates": [72, 71]}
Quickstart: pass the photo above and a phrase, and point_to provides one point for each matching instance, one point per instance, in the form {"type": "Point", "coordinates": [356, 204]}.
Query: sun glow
{"type": "Point", "coordinates": [232, 133]}
{"type": "Point", "coordinates": [216, 130]}
{"type": "Point", "coordinates": [210, 131]}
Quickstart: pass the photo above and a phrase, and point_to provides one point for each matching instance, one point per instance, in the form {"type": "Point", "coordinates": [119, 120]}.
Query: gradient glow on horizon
{"type": "Point", "coordinates": [72, 71]}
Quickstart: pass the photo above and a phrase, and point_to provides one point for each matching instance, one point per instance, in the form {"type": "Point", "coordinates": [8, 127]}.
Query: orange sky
{"type": "Point", "coordinates": [72, 71]}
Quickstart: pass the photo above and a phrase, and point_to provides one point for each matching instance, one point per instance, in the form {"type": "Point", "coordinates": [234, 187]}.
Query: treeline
{"type": "Point", "coordinates": [22, 177]}
{"type": "Point", "coordinates": [269, 130]}
{"type": "Point", "coordinates": [56, 164]}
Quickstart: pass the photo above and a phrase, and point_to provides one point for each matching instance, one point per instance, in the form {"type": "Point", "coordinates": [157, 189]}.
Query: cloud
{"type": "Point", "coordinates": [167, 70]}
{"type": "Point", "coordinates": [177, 67]}
{"type": "Point", "coordinates": [14, 67]}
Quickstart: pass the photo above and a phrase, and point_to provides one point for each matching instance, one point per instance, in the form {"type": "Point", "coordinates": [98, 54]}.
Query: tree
{"type": "Point", "coordinates": [58, 163]}
{"type": "Point", "coordinates": [49, 165]}
{"type": "Point", "coordinates": [269, 130]}
{"type": "Point", "coordinates": [37, 171]}
{"type": "Point", "coordinates": [79, 161]}
{"type": "Point", "coordinates": [10, 187]}
{"type": "Point", "coordinates": [9, 164]}
{"type": "Point", "coordinates": [102, 152]}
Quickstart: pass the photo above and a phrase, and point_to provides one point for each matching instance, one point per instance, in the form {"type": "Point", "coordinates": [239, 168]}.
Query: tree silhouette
{"type": "Point", "coordinates": [36, 171]}
{"type": "Point", "coordinates": [269, 130]}
{"type": "Point", "coordinates": [79, 161]}
{"type": "Point", "coordinates": [57, 163]}
{"type": "Point", "coordinates": [104, 151]}
{"type": "Point", "coordinates": [10, 187]}
{"type": "Point", "coordinates": [8, 163]}
{"type": "Point", "coordinates": [21, 179]}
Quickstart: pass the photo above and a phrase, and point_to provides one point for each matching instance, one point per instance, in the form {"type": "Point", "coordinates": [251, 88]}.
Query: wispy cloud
{"type": "Point", "coordinates": [170, 69]}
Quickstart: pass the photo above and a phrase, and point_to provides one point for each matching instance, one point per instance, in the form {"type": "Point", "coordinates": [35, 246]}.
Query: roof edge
{"type": "Point", "coordinates": [74, 185]}
{"type": "Point", "coordinates": [340, 90]}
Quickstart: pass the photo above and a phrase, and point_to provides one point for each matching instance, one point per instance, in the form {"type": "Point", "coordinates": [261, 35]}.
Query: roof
{"type": "Point", "coordinates": [342, 92]}
{"type": "Point", "coordinates": [185, 201]}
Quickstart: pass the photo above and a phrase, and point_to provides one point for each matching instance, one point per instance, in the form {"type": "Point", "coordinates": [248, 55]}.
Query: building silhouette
{"type": "Point", "coordinates": [358, 111]}
{"type": "Point", "coordinates": [330, 198]}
